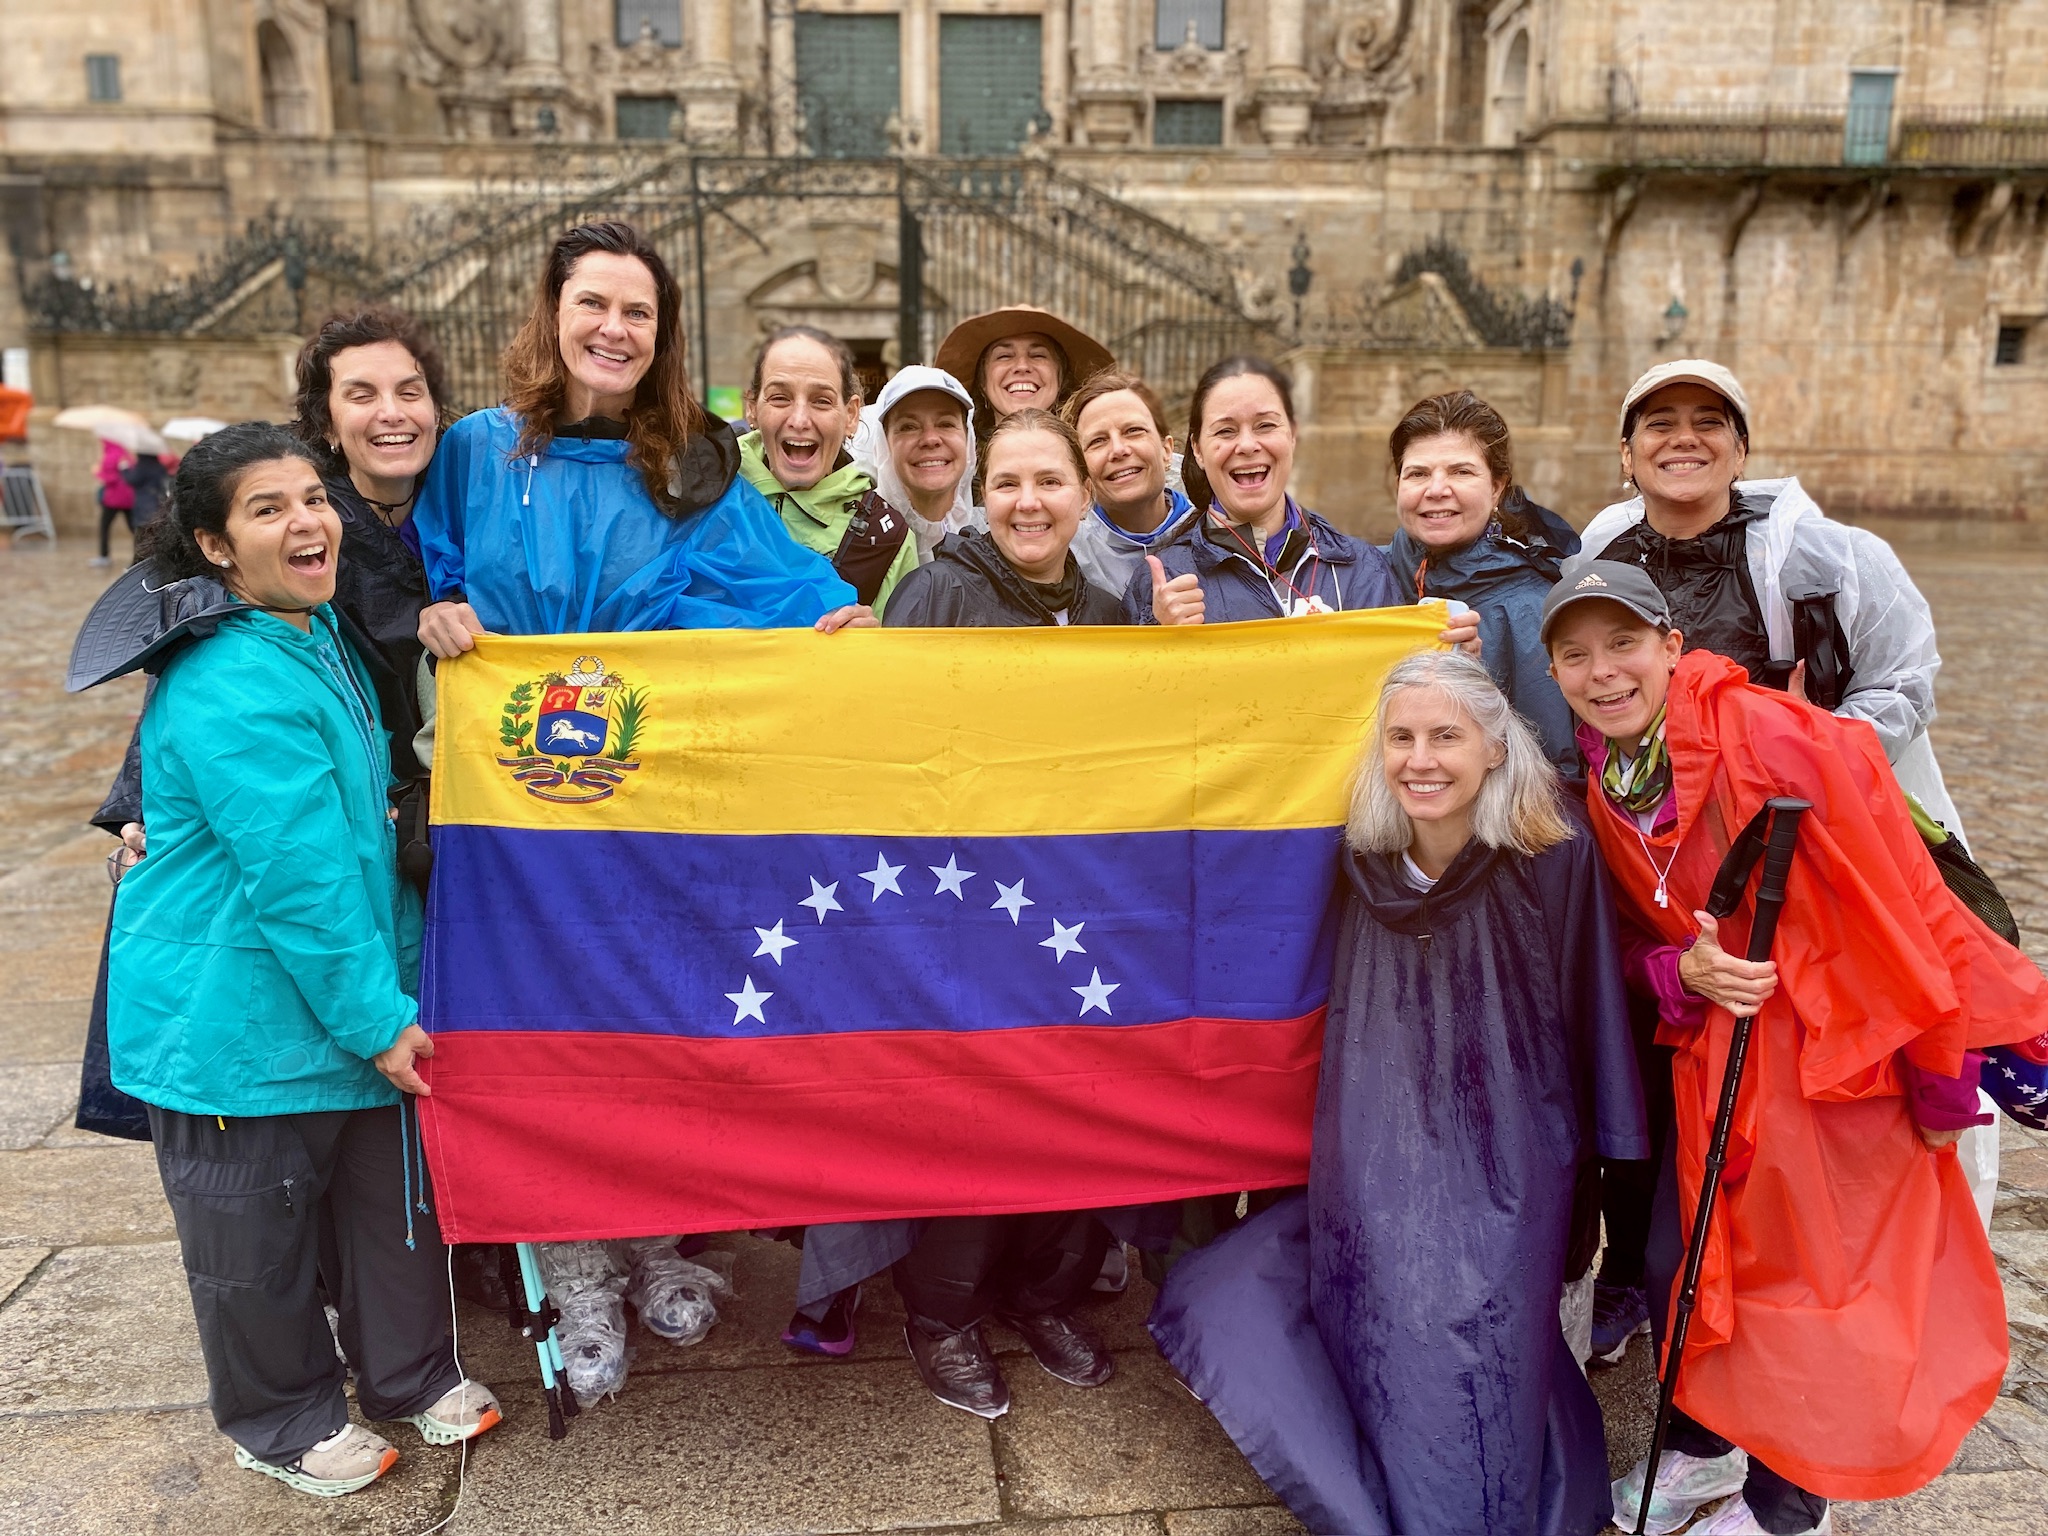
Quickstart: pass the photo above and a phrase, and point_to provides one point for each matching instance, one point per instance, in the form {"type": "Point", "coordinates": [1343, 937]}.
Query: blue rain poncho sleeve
{"type": "Point", "coordinates": [568, 541]}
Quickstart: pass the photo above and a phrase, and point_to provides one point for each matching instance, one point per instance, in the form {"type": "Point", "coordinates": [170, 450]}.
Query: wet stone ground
{"type": "Point", "coordinates": [103, 1426]}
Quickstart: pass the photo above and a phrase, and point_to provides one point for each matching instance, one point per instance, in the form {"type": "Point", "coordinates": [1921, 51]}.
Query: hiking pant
{"type": "Point", "coordinates": [1629, 1189]}
{"type": "Point", "coordinates": [250, 1200]}
{"type": "Point", "coordinates": [965, 1267]}
{"type": "Point", "coordinates": [107, 516]}
{"type": "Point", "coordinates": [1779, 1504]}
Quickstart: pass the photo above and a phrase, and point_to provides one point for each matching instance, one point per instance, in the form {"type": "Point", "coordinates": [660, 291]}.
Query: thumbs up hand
{"type": "Point", "coordinates": [1178, 601]}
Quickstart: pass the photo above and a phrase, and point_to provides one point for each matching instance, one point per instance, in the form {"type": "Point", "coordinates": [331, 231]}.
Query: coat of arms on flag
{"type": "Point", "coordinates": [894, 922]}
{"type": "Point", "coordinates": [583, 741]}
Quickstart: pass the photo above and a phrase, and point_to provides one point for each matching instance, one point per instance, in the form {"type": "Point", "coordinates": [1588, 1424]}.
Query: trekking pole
{"type": "Point", "coordinates": [1782, 814]}
{"type": "Point", "coordinates": [539, 1326]}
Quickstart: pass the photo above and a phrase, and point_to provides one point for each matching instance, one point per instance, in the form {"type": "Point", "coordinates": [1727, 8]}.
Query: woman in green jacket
{"type": "Point", "coordinates": [260, 992]}
{"type": "Point", "coordinates": [804, 402]}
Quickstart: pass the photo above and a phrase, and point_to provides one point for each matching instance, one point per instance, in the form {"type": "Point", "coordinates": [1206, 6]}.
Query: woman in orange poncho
{"type": "Point", "coordinates": [1850, 1327]}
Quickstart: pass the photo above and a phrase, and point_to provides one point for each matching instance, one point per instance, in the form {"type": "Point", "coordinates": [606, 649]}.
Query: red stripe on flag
{"type": "Point", "coordinates": [554, 1136]}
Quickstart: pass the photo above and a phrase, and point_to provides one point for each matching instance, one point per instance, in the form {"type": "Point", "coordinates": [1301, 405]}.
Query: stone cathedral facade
{"type": "Point", "coordinates": [1845, 200]}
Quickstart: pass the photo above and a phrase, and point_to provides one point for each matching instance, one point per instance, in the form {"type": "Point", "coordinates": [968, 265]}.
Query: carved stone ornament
{"type": "Point", "coordinates": [461, 33]}
{"type": "Point", "coordinates": [1360, 42]}
{"type": "Point", "coordinates": [846, 258]}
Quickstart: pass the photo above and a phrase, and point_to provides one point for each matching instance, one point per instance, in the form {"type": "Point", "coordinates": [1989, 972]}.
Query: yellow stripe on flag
{"type": "Point", "coordinates": [963, 732]}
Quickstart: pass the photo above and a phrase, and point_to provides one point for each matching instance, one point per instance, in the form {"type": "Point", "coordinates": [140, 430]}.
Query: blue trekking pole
{"type": "Point", "coordinates": [1775, 847]}
{"type": "Point", "coordinates": [537, 1322]}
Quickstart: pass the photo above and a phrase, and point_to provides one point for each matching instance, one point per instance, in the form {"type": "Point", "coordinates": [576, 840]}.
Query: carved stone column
{"type": "Point", "coordinates": [711, 86]}
{"type": "Point", "coordinates": [1285, 87]}
{"type": "Point", "coordinates": [535, 84]}
{"type": "Point", "coordinates": [782, 101]}
{"type": "Point", "coordinates": [1109, 105]}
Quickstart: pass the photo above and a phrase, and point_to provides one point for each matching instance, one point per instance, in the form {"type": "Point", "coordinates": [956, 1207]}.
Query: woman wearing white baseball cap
{"type": "Point", "coordinates": [918, 443]}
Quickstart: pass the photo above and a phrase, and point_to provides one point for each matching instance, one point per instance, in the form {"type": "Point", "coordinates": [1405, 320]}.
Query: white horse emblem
{"type": "Point", "coordinates": [562, 731]}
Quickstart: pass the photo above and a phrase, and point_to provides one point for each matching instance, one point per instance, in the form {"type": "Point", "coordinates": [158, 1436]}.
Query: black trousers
{"type": "Point", "coordinates": [107, 516]}
{"type": "Point", "coordinates": [250, 1200]}
{"type": "Point", "coordinates": [965, 1267]}
{"type": "Point", "coordinates": [1779, 1504]}
{"type": "Point", "coordinates": [1628, 1189]}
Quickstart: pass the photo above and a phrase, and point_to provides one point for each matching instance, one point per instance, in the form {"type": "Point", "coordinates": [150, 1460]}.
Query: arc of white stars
{"type": "Point", "coordinates": [951, 877]}
{"type": "Point", "coordinates": [883, 877]}
{"type": "Point", "coordinates": [774, 942]}
{"type": "Point", "coordinates": [1012, 900]}
{"type": "Point", "coordinates": [1064, 941]}
{"type": "Point", "coordinates": [1096, 993]}
{"type": "Point", "coordinates": [823, 899]}
{"type": "Point", "coordinates": [748, 1000]}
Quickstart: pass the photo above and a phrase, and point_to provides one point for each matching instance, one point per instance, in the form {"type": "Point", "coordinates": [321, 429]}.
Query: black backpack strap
{"type": "Point", "coordinates": [874, 539]}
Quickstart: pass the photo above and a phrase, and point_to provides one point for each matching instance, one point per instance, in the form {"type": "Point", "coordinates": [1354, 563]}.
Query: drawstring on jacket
{"type": "Point", "coordinates": [532, 464]}
{"type": "Point", "coordinates": [412, 1145]}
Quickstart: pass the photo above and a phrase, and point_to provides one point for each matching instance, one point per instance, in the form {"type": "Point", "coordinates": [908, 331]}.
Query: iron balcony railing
{"type": "Point", "coordinates": [1775, 134]}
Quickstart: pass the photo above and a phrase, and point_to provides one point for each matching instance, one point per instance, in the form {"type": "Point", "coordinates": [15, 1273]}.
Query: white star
{"type": "Point", "coordinates": [747, 1002]}
{"type": "Point", "coordinates": [2008, 1071]}
{"type": "Point", "coordinates": [1012, 900]}
{"type": "Point", "coordinates": [1064, 940]}
{"type": "Point", "coordinates": [773, 943]}
{"type": "Point", "coordinates": [883, 877]}
{"type": "Point", "coordinates": [1094, 995]}
{"type": "Point", "coordinates": [822, 899]}
{"type": "Point", "coordinates": [951, 876]}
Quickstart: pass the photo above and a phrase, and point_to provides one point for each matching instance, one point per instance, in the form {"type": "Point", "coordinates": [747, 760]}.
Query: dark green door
{"type": "Point", "coordinates": [988, 83]}
{"type": "Point", "coordinates": [848, 75]}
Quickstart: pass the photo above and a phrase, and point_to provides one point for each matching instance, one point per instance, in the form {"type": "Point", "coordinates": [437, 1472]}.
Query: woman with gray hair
{"type": "Point", "coordinates": [1385, 1348]}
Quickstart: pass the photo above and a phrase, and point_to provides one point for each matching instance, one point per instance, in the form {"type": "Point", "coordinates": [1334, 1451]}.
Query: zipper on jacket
{"type": "Point", "coordinates": [288, 1209]}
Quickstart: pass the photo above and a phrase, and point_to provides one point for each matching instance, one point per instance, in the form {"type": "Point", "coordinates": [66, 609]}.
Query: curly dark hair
{"type": "Point", "coordinates": [362, 327]}
{"type": "Point", "coordinates": [204, 491]}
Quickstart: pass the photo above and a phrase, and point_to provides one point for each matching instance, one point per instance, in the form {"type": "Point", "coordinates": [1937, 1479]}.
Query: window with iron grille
{"type": "Point", "coordinates": [663, 17]}
{"type": "Point", "coordinates": [103, 76]}
{"type": "Point", "coordinates": [2012, 346]}
{"type": "Point", "coordinates": [1187, 122]}
{"type": "Point", "coordinates": [646, 117]}
{"type": "Point", "coordinates": [1171, 28]}
{"type": "Point", "coordinates": [988, 83]}
{"type": "Point", "coordinates": [848, 82]}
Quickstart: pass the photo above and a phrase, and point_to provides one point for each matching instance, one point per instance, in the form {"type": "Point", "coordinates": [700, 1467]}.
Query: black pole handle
{"type": "Point", "coordinates": [1783, 814]}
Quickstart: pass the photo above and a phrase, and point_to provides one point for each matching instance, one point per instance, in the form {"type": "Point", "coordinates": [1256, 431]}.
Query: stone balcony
{"type": "Point", "coordinates": [1795, 136]}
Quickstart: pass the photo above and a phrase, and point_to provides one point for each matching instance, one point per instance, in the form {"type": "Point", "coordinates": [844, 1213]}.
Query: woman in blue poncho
{"type": "Point", "coordinates": [602, 498]}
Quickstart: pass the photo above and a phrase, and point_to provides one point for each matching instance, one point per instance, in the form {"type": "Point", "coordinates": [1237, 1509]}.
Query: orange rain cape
{"type": "Point", "coordinates": [1850, 1326]}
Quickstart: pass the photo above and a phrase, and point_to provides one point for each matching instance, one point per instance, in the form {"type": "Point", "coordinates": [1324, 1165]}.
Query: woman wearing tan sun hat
{"type": "Point", "coordinates": [1019, 358]}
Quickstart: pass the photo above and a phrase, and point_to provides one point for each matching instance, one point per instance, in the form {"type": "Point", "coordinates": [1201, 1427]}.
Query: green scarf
{"type": "Point", "coordinates": [1641, 786]}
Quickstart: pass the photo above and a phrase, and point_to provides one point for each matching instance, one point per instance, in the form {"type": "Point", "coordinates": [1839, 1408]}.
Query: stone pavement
{"type": "Point", "coordinates": [103, 1426]}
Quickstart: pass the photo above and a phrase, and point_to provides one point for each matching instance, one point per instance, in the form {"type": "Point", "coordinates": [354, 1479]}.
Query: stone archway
{"type": "Point", "coordinates": [287, 103]}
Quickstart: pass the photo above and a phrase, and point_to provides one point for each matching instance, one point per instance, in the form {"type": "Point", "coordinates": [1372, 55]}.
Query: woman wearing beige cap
{"type": "Point", "coordinates": [1019, 358]}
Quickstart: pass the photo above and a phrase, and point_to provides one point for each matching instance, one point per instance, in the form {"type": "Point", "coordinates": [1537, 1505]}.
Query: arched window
{"type": "Point", "coordinates": [1511, 94]}
{"type": "Point", "coordinates": [284, 87]}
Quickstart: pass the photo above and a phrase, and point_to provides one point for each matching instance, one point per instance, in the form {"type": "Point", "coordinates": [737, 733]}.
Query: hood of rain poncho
{"type": "Point", "coordinates": [568, 541]}
{"type": "Point", "coordinates": [141, 621]}
{"type": "Point", "coordinates": [870, 449]}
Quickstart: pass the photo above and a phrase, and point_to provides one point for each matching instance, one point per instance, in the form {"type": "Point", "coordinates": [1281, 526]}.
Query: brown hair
{"type": "Point", "coordinates": [1194, 479]}
{"type": "Point", "coordinates": [1031, 419]}
{"type": "Point", "coordinates": [364, 327]}
{"type": "Point", "coordinates": [842, 354]}
{"type": "Point", "coordinates": [663, 415]}
{"type": "Point", "coordinates": [1465, 414]}
{"type": "Point", "coordinates": [1114, 381]}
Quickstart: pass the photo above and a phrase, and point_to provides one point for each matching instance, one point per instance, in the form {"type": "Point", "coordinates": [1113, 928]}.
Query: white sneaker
{"type": "Point", "coordinates": [675, 1298]}
{"type": "Point", "coordinates": [1685, 1484]}
{"type": "Point", "coordinates": [1735, 1519]}
{"type": "Point", "coordinates": [350, 1458]}
{"type": "Point", "coordinates": [463, 1412]}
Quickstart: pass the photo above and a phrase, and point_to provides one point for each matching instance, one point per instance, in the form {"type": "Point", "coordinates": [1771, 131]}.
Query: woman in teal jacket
{"type": "Point", "coordinates": [260, 989]}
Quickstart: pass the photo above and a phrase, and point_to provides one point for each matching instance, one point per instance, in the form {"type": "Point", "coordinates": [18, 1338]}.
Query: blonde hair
{"type": "Point", "coordinates": [1518, 805]}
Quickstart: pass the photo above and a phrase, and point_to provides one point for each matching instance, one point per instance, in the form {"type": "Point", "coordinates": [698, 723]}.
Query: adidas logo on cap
{"type": "Point", "coordinates": [1590, 579]}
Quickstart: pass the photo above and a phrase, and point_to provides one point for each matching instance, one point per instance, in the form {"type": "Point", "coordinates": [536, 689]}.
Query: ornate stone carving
{"type": "Point", "coordinates": [461, 33]}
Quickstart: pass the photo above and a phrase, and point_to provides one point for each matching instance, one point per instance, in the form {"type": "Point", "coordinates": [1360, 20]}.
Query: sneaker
{"type": "Point", "coordinates": [1685, 1484]}
{"type": "Point", "coordinates": [350, 1458]}
{"type": "Point", "coordinates": [1620, 1312]}
{"type": "Point", "coordinates": [1063, 1347]}
{"type": "Point", "coordinates": [1115, 1275]}
{"type": "Point", "coordinates": [592, 1334]}
{"type": "Point", "coordinates": [959, 1370]}
{"type": "Point", "coordinates": [1735, 1519]}
{"type": "Point", "coordinates": [832, 1334]}
{"type": "Point", "coordinates": [676, 1298]}
{"type": "Point", "coordinates": [463, 1412]}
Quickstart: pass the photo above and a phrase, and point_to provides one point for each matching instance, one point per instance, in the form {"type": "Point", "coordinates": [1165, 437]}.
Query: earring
{"type": "Point", "coordinates": [223, 564]}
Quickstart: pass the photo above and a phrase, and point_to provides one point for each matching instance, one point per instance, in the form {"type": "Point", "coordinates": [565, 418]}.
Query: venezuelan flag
{"type": "Point", "coordinates": [752, 928]}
